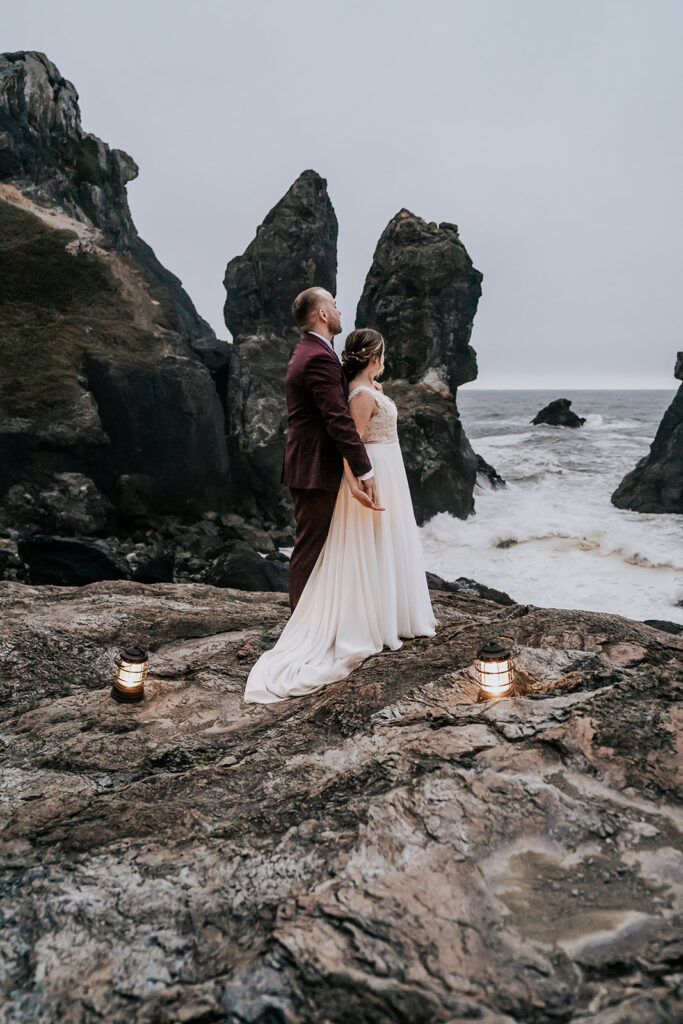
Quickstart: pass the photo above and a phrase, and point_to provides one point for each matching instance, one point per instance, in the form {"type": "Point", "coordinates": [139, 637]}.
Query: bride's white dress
{"type": "Point", "coordinates": [367, 589]}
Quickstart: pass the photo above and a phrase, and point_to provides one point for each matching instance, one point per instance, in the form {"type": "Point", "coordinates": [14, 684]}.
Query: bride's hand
{"type": "Point", "coordinates": [360, 495]}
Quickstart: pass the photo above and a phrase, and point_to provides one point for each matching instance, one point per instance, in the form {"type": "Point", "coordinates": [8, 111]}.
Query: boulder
{"type": "Point", "coordinates": [70, 561]}
{"type": "Point", "coordinates": [295, 247]}
{"type": "Point", "coordinates": [244, 569]}
{"type": "Point", "coordinates": [558, 414]}
{"type": "Point", "coordinates": [63, 503]}
{"type": "Point", "coordinates": [388, 849]}
{"type": "Point", "coordinates": [656, 483]}
{"type": "Point", "coordinates": [463, 585]}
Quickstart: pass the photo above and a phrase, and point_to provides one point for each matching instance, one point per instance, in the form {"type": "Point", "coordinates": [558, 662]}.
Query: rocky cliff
{"type": "Point", "coordinates": [295, 247]}
{"type": "Point", "coordinates": [107, 367]}
{"type": "Point", "coordinates": [422, 293]}
{"type": "Point", "coordinates": [656, 483]}
{"type": "Point", "coordinates": [388, 850]}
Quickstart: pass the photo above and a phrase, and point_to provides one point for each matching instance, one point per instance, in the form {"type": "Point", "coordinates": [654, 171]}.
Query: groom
{"type": "Point", "coordinates": [321, 433]}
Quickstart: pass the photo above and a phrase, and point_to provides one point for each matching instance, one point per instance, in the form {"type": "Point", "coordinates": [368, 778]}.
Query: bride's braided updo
{"type": "Point", "coordinates": [361, 345]}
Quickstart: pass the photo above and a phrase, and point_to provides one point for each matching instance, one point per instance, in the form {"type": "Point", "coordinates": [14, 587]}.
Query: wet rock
{"type": "Point", "coordinates": [385, 850]}
{"type": "Point", "coordinates": [243, 569]}
{"type": "Point", "coordinates": [70, 561]}
{"type": "Point", "coordinates": [656, 483]}
{"type": "Point", "coordinates": [486, 472]}
{"type": "Point", "coordinates": [463, 585]}
{"type": "Point", "coordinates": [665, 625]}
{"type": "Point", "coordinates": [558, 414]}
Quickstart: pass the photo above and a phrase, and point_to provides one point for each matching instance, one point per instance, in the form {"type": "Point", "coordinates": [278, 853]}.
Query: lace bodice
{"type": "Point", "coordinates": [382, 426]}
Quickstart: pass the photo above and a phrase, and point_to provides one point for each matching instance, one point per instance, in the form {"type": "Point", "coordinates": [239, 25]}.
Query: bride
{"type": "Point", "coordinates": [368, 587]}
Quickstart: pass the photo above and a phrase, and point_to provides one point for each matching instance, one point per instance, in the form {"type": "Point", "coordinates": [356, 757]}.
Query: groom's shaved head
{"type": "Point", "coordinates": [306, 303]}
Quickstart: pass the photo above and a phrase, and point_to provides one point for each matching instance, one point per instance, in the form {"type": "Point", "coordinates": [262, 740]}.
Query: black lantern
{"type": "Point", "coordinates": [494, 667]}
{"type": "Point", "coordinates": [129, 685]}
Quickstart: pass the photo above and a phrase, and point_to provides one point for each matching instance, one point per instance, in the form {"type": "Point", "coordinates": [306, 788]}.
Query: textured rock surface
{"type": "Point", "coordinates": [295, 247]}
{"type": "Point", "coordinates": [422, 292]}
{"type": "Point", "coordinates": [80, 285]}
{"type": "Point", "coordinates": [558, 414]}
{"type": "Point", "coordinates": [656, 483]}
{"type": "Point", "coordinates": [389, 850]}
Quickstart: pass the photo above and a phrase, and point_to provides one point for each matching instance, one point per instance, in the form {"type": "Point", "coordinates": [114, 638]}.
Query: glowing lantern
{"type": "Point", "coordinates": [129, 685]}
{"type": "Point", "coordinates": [493, 667]}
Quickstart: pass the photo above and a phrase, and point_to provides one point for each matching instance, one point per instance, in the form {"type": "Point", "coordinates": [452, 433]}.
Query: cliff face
{"type": "Point", "coordinates": [94, 331]}
{"type": "Point", "coordinates": [387, 850]}
{"type": "Point", "coordinates": [656, 483]}
{"type": "Point", "coordinates": [422, 293]}
{"type": "Point", "coordinates": [295, 247]}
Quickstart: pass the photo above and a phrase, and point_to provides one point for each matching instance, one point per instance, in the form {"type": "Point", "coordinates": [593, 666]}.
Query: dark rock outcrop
{"type": "Point", "coordinates": [422, 292]}
{"type": "Point", "coordinates": [386, 850]}
{"type": "Point", "coordinates": [468, 587]}
{"type": "Point", "coordinates": [558, 414]}
{"type": "Point", "coordinates": [80, 288]}
{"type": "Point", "coordinates": [244, 569]}
{"type": "Point", "coordinates": [440, 464]}
{"type": "Point", "coordinates": [485, 471]}
{"type": "Point", "coordinates": [656, 483]}
{"type": "Point", "coordinates": [295, 247]}
{"type": "Point", "coordinates": [71, 561]}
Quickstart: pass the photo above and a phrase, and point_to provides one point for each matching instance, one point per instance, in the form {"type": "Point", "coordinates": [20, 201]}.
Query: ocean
{"type": "Point", "coordinates": [552, 537]}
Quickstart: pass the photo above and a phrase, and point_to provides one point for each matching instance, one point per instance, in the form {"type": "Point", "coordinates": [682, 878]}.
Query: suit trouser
{"type": "Point", "coordinates": [313, 511]}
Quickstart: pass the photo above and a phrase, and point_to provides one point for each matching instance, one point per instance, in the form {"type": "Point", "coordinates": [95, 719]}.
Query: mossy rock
{"type": "Point", "coordinates": [55, 306]}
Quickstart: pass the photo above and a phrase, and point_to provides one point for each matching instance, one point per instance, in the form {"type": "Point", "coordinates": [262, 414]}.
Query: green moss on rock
{"type": "Point", "coordinates": [55, 306]}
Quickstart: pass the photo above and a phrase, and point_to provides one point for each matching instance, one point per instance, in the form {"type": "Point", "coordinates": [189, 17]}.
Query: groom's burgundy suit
{"type": "Point", "coordinates": [321, 433]}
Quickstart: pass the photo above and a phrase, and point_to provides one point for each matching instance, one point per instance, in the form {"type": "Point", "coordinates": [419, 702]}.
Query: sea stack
{"type": "Point", "coordinates": [656, 483]}
{"type": "Point", "coordinates": [558, 414]}
{"type": "Point", "coordinates": [295, 248]}
{"type": "Point", "coordinates": [422, 292]}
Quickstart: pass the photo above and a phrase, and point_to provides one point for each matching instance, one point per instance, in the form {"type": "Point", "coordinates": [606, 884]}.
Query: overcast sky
{"type": "Point", "coordinates": [548, 130]}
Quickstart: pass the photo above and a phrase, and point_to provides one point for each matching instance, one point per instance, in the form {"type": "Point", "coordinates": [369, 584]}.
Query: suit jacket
{"type": "Point", "coordinates": [321, 430]}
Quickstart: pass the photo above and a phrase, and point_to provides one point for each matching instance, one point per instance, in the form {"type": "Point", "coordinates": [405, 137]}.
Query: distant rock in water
{"type": "Point", "coordinates": [656, 483]}
{"type": "Point", "coordinates": [295, 247]}
{"type": "Point", "coordinates": [108, 371]}
{"type": "Point", "coordinates": [558, 414]}
{"type": "Point", "coordinates": [488, 473]}
{"type": "Point", "coordinates": [422, 293]}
